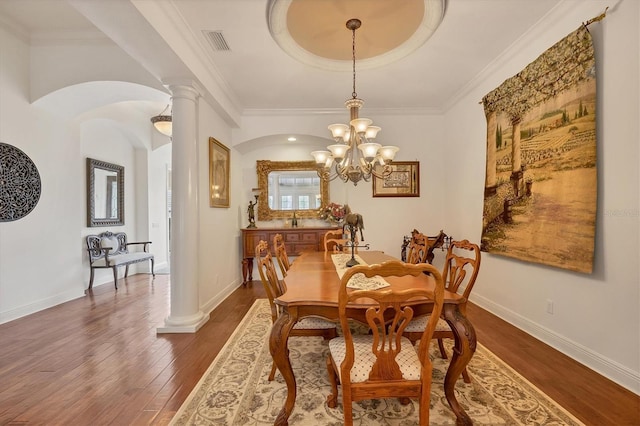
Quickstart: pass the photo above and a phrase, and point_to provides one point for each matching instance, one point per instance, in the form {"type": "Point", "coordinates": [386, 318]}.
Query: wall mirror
{"type": "Point", "coordinates": [286, 186]}
{"type": "Point", "coordinates": [105, 193]}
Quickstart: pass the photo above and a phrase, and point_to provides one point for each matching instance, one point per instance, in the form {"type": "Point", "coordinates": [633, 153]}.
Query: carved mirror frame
{"type": "Point", "coordinates": [264, 167]}
{"type": "Point", "coordinates": [93, 221]}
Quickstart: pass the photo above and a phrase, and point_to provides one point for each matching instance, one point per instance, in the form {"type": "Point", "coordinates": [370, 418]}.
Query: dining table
{"type": "Point", "coordinates": [312, 285]}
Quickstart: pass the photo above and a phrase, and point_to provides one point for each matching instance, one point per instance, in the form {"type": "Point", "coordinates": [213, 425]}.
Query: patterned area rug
{"type": "Point", "coordinates": [235, 390]}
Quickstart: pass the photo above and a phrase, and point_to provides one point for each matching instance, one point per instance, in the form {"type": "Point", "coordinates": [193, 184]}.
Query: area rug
{"type": "Point", "coordinates": [235, 390]}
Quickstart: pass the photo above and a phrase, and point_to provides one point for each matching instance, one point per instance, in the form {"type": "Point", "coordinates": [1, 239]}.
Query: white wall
{"type": "Point", "coordinates": [386, 220]}
{"type": "Point", "coordinates": [43, 257]}
{"type": "Point", "coordinates": [41, 254]}
{"type": "Point", "coordinates": [219, 246]}
{"type": "Point", "coordinates": [103, 141]}
{"type": "Point", "coordinates": [596, 317]}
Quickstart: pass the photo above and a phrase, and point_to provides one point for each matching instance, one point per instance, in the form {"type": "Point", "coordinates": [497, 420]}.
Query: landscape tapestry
{"type": "Point", "coordinates": [541, 181]}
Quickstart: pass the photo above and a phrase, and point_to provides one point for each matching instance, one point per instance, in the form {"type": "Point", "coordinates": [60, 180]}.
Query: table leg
{"type": "Point", "coordinates": [278, 346]}
{"type": "Point", "coordinates": [463, 350]}
{"type": "Point", "coordinates": [247, 270]}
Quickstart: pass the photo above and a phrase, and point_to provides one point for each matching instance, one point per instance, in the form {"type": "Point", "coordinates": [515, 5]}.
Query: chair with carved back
{"type": "Point", "coordinates": [280, 251]}
{"type": "Point", "coordinates": [274, 288]}
{"type": "Point", "coordinates": [384, 363]}
{"type": "Point", "coordinates": [460, 272]}
{"type": "Point", "coordinates": [335, 241]}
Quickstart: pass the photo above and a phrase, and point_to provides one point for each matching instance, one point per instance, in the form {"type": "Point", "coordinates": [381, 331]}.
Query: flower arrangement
{"type": "Point", "coordinates": [333, 212]}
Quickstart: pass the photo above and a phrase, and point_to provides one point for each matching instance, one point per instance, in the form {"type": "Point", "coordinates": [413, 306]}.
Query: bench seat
{"type": "Point", "coordinates": [111, 250]}
{"type": "Point", "coordinates": [123, 259]}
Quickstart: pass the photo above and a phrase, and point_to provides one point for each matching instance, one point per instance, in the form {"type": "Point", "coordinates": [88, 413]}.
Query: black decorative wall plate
{"type": "Point", "coordinates": [20, 185]}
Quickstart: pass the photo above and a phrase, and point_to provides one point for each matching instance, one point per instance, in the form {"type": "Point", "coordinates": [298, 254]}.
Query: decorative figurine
{"type": "Point", "coordinates": [294, 220]}
{"type": "Point", "coordinates": [252, 215]}
{"type": "Point", "coordinates": [354, 222]}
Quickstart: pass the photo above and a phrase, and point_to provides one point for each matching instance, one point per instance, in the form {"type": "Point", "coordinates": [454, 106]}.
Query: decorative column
{"type": "Point", "coordinates": [490, 183]}
{"type": "Point", "coordinates": [185, 314]}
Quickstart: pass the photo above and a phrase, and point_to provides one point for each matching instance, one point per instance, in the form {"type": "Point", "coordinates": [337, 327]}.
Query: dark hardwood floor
{"type": "Point", "coordinates": [97, 360]}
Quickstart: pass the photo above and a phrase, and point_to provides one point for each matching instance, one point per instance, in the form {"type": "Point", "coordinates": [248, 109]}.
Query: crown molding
{"type": "Point", "coordinates": [548, 24]}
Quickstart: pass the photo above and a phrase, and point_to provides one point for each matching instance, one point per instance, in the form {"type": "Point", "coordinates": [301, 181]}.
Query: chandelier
{"type": "Point", "coordinates": [354, 156]}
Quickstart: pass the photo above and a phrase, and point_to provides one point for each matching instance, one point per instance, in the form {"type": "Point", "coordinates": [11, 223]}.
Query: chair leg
{"type": "Point", "coordinates": [332, 399]}
{"type": "Point", "coordinates": [465, 376]}
{"type": "Point", "coordinates": [152, 263]}
{"type": "Point", "coordinates": [91, 279]}
{"type": "Point", "coordinates": [115, 276]}
{"type": "Point", "coordinates": [425, 401]}
{"type": "Point", "coordinates": [272, 375]}
{"type": "Point", "coordinates": [442, 351]}
{"type": "Point", "coordinates": [347, 407]}
{"type": "Point", "coordinates": [126, 271]}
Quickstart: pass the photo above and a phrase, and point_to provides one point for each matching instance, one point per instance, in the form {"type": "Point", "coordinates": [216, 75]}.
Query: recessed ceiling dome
{"type": "Point", "coordinates": [314, 32]}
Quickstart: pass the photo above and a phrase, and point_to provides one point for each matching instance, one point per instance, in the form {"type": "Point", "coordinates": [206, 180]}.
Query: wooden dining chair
{"type": "Point", "coordinates": [309, 326]}
{"type": "Point", "coordinates": [280, 251]}
{"type": "Point", "coordinates": [460, 272]}
{"type": "Point", "coordinates": [383, 364]}
{"type": "Point", "coordinates": [336, 238]}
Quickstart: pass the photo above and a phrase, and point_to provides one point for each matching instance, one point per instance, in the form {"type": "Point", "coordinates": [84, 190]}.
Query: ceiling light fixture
{"type": "Point", "coordinates": [353, 156]}
{"type": "Point", "coordinates": [163, 123]}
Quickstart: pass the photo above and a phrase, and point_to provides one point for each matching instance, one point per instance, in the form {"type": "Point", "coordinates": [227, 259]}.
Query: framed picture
{"type": "Point", "coordinates": [219, 165]}
{"type": "Point", "coordinates": [404, 180]}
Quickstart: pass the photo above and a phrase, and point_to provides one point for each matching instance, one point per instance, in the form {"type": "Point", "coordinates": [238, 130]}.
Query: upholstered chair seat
{"type": "Point", "coordinates": [418, 324]}
{"type": "Point", "coordinates": [311, 323]}
{"type": "Point", "coordinates": [407, 359]}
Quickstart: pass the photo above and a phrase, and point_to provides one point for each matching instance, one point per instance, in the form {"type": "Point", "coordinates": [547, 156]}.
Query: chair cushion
{"type": "Point", "coordinates": [312, 323]}
{"type": "Point", "coordinates": [419, 324]}
{"type": "Point", "coordinates": [407, 359]}
{"type": "Point", "coordinates": [122, 259]}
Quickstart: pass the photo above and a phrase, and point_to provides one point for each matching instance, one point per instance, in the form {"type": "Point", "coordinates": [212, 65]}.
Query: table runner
{"type": "Point", "coordinates": [358, 281]}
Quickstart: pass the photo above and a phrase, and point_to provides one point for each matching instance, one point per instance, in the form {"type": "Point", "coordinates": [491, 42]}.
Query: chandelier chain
{"type": "Point", "coordinates": [353, 56]}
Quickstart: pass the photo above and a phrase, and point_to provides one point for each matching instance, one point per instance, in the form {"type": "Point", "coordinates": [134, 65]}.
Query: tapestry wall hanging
{"type": "Point", "coordinates": [541, 181]}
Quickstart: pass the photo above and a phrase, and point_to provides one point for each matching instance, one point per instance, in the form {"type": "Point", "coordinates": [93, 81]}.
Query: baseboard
{"type": "Point", "coordinates": [608, 368]}
{"type": "Point", "coordinates": [213, 303]}
{"type": "Point", "coordinates": [32, 308]}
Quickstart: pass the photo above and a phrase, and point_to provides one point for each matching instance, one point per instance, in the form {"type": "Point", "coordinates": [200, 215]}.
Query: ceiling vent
{"type": "Point", "coordinates": [217, 41]}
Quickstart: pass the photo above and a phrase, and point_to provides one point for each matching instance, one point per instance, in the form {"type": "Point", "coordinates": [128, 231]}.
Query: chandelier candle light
{"type": "Point", "coordinates": [351, 164]}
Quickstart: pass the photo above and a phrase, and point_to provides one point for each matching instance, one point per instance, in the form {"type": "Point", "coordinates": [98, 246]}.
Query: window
{"type": "Point", "coordinates": [286, 202]}
{"type": "Point", "coordinates": [303, 202]}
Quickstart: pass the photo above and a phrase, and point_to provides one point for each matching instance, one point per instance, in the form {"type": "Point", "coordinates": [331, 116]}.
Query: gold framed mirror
{"type": "Point", "coordinates": [288, 186]}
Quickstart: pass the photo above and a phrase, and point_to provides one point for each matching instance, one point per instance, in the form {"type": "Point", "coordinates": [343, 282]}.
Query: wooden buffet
{"type": "Point", "coordinates": [297, 241]}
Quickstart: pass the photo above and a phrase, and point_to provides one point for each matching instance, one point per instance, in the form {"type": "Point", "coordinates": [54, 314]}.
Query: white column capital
{"type": "Point", "coordinates": [184, 88]}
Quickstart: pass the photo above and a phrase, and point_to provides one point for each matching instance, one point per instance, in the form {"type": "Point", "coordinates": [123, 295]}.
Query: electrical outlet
{"type": "Point", "coordinates": [550, 306]}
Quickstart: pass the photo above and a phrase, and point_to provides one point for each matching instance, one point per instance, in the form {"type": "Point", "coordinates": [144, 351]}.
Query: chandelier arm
{"type": "Point", "coordinates": [386, 172]}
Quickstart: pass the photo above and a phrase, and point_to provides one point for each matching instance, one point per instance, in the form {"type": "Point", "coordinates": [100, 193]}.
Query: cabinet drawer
{"type": "Point", "coordinates": [291, 237]}
{"type": "Point", "coordinates": [309, 237]}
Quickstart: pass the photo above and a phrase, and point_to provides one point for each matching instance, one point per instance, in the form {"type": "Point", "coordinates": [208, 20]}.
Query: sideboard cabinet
{"type": "Point", "coordinates": [296, 240]}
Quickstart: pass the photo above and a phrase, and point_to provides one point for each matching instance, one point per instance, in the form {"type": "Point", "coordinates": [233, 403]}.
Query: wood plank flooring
{"type": "Point", "coordinates": [98, 361]}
